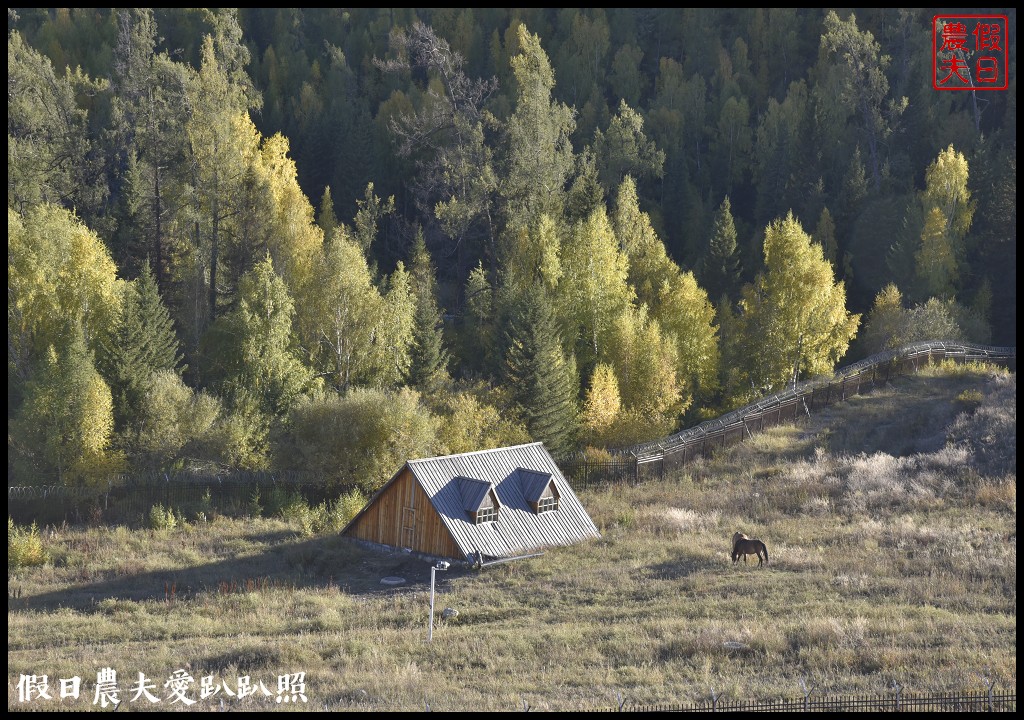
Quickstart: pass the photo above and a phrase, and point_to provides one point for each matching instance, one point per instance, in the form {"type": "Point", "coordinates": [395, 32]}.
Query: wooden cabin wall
{"type": "Point", "coordinates": [403, 517]}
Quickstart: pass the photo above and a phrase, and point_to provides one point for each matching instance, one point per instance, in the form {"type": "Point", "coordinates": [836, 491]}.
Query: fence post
{"type": "Point", "coordinates": [807, 693]}
{"type": "Point", "coordinates": [896, 686]}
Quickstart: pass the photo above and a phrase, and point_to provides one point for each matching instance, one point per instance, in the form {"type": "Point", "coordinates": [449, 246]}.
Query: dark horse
{"type": "Point", "coordinates": [742, 545]}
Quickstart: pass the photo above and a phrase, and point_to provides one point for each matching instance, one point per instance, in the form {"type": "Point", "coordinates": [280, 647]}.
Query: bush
{"type": "Point", "coordinates": [161, 518]}
{"type": "Point", "coordinates": [24, 546]}
{"type": "Point", "coordinates": [969, 400]}
{"type": "Point", "coordinates": [327, 517]}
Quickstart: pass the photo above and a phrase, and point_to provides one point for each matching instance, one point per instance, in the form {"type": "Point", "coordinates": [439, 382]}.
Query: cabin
{"type": "Point", "coordinates": [478, 506]}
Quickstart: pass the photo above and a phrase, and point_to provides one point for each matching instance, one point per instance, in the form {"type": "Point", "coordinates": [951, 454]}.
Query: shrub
{"type": "Point", "coordinates": [24, 546]}
{"type": "Point", "coordinates": [161, 518]}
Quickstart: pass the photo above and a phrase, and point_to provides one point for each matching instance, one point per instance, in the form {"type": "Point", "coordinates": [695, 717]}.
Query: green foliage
{"type": "Point", "coordinates": [720, 271]}
{"type": "Point", "coordinates": [469, 421]}
{"type": "Point", "coordinates": [593, 288]}
{"type": "Point", "coordinates": [163, 518]}
{"type": "Point", "coordinates": [359, 440]}
{"type": "Point", "coordinates": [63, 429]}
{"type": "Point", "coordinates": [251, 349]}
{"type": "Point", "coordinates": [60, 277]}
{"type": "Point", "coordinates": [329, 517]}
{"type": "Point", "coordinates": [428, 362]}
{"type": "Point", "coordinates": [141, 342]}
{"type": "Point", "coordinates": [172, 418]}
{"type": "Point", "coordinates": [543, 382]}
{"type": "Point", "coordinates": [50, 154]}
{"type": "Point", "coordinates": [25, 547]}
{"type": "Point", "coordinates": [865, 86]}
{"type": "Point", "coordinates": [360, 334]}
{"type": "Point", "coordinates": [625, 150]}
{"type": "Point", "coordinates": [539, 154]}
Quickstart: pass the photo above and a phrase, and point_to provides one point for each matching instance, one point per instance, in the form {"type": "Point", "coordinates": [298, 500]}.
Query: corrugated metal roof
{"type": "Point", "coordinates": [533, 483]}
{"type": "Point", "coordinates": [518, 529]}
{"type": "Point", "coordinates": [473, 492]}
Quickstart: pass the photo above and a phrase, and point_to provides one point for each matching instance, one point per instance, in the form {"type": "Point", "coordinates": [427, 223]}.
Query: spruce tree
{"type": "Point", "coordinates": [721, 262]}
{"type": "Point", "coordinates": [141, 342]}
{"type": "Point", "coordinates": [543, 381]}
{"type": "Point", "coordinates": [429, 361]}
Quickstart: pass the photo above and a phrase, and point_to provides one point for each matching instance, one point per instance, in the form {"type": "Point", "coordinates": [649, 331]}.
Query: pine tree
{"type": "Point", "coordinates": [543, 381]}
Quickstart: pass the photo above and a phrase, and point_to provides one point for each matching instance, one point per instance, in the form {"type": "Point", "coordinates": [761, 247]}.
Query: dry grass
{"type": "Point", "coordinates": [888, 564]}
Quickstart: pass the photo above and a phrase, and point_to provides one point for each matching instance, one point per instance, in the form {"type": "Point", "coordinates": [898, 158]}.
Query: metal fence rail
{"type": "Point", "coordinates": [649, 460]}
{"type": "Point", "coordinates": [981, 701]}
{"type": "Point", "coordinates": [813, 394]}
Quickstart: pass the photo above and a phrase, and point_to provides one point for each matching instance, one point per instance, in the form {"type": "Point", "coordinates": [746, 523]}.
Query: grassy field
{"type": "Point", "coordinates": [891, 526]}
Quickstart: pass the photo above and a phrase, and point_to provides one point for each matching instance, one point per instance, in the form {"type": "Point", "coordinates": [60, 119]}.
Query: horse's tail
{"type": "Point", "coordinates": [765, 548]}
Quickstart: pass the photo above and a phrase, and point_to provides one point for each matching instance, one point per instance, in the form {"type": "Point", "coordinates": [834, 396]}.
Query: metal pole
{"type": "Point", "coordinates": [430, 632]}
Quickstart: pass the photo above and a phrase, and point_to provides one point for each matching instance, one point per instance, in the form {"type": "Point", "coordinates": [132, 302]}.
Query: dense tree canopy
{"type": "Point", "coordinates": [233, 231]}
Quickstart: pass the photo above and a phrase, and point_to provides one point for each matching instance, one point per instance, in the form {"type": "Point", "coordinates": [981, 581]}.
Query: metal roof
{"type": "Point", "coordinates": [533, 484]}
{"type": "Point", "coordinates": [518, 528]}
{"type": "Point", "coordinates": [473, 492]}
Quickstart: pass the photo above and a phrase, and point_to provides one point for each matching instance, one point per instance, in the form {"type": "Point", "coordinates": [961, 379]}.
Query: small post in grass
{"type": "Point", "coordinates": [441, 565]}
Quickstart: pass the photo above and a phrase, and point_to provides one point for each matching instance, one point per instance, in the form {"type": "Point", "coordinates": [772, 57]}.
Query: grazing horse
{"type": "Point", "coordinates": [743, 545]}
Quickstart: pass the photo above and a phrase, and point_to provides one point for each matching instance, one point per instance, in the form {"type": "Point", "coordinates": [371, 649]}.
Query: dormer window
{"type": "Point", "coordinates": [484, 515]}
{"type": "Point", "coordinates": [548, 504]}
{"type": "Point", "coordinates": [539, 490]}
{"type": "Point", "coordinates": [479, 500]}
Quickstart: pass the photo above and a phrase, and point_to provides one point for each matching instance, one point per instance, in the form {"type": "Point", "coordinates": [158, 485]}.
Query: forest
{"type": "Point", "coordinates": [326, 240]}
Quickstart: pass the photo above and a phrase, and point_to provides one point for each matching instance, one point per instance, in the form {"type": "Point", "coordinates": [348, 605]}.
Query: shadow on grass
{"type": "Point", "coordinates": [682, 567]}
{"type": "Point", "coordinates": [322, 562]}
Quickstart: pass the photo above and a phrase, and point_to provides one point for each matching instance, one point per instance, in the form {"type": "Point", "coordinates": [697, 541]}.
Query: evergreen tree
{"type": "Point", "coordinates": [429, 359]}
{"type": "Point", "coordinates": [141, 342]}
{"type": "Point", "coordinates": [825, 235]}
{"type": "Point", "coordinates": [721, 266]}
{"type": "Point", "coordinates": [478, 332]}
{"type": "Point", "coordinates": [542, 380]}
{"type": "Point", "coordinates": [327, 219]}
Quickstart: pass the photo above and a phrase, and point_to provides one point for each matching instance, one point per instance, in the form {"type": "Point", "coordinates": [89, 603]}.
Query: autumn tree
{"type": "Point", "coordinates": [948, 212]}
{"type": "Point", "coordinates": [59, 276]}
{"type": "Point", "coordinates": [63, 429]}
{"type": "Point", "coordinates": [793, 317]}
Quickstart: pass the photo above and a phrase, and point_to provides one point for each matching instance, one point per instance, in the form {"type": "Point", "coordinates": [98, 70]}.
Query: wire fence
{"type": "Point", "coordinates": [896, 701]}
{"type": "Point", "coordinates": [128, 499]}
{"type": "Point", "coordinates": [654, 459]}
